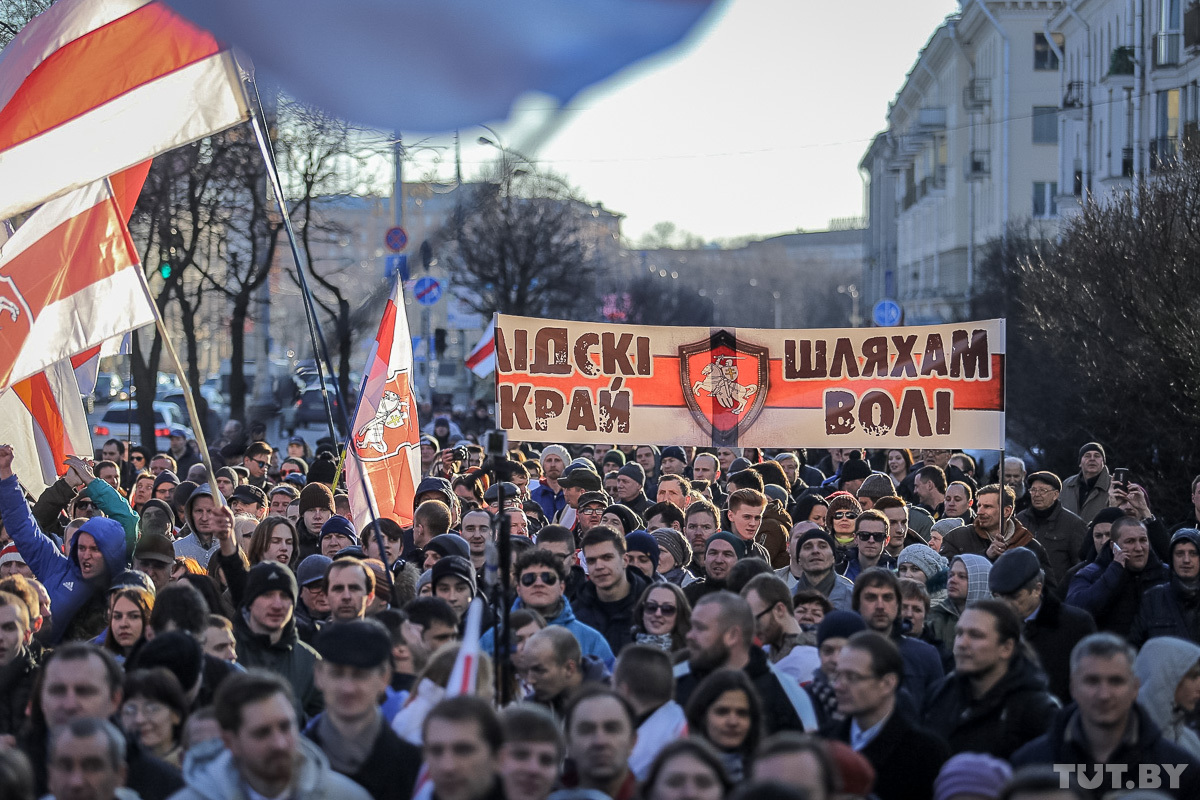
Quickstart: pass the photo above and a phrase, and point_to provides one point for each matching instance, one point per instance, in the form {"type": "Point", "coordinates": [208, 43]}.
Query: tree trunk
{"type": "Point", "coordinates": [237, 357]}
{"type": "Point", "coordinates": [145, 380]}
{"type": "Point", "coordinates": [344, 347]}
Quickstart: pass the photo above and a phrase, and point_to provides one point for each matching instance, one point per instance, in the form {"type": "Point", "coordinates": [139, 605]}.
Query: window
{"type": "Point", "coordinates": [1045, 124]}
{"type": "Point", "coordinates": [1044, 204]}
{"type": "Point", "coordinates": [1043, 57]}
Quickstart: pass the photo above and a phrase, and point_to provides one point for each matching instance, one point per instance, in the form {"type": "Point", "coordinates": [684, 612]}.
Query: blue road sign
{"type": "Point", "coordinates": [395, 239]}
{"type": "Point", "coordinates": [887, 313]}
{"type": "Point", "coordinates": [396, 264]}
{"type": "Point", "coordinates": [427, 291]}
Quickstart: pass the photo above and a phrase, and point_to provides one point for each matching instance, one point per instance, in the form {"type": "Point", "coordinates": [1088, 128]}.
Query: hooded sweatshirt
{"type": "Point", "coordinates": [1160, 666]}
{"type": "Point", "coordinates": [211, 774]}
{"type": "Point", "coordinates": [590, 640]}
{"type": "Point", "coordinates": [190, 545]}
{"type": "Point", "coordinates": [59, 573]}
{"type": "Point", "coordinates": [944, 616]}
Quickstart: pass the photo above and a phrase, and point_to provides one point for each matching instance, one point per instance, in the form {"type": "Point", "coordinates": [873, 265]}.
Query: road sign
{"type": "Point", "coordinates": [887, 313]}
{"type": "Point", "coordinates": [427, 291]}
{"type": "Point", "coordinates": [396, 265]}
{"type": "Point", "coordinates": [395, 239]}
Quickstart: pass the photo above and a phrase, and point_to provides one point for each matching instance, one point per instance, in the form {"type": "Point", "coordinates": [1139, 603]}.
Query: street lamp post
{"type": "Point", "coordinates": [852, 290]}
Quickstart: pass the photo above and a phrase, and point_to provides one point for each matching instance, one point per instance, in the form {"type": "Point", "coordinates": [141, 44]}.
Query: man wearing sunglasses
{"type": "Point", "coordinates": [257, 459]}
{"type": "Point", "coordinates": [870, 539]}
{"type": "Point", "coordinates": [541, 580]}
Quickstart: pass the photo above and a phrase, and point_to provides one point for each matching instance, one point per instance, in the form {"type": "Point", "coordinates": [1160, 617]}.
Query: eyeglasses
{"type": "Point", "coordinates": [84, 505]}
{"type": "Point", "coordinates": [845, 676]}
{"type": "Point", "coordinates": [872, 537]}
{"type": "Point", "coordinates": [261, 463]}
{"type": "Point", "coordinates": [1041, 489]}
{"type": "Point", "coordinates": [530, 578]}
{"type": "Point", "coordinates": [667, 609]}
{"type": "Point", "coordinates": [845, 515]}
{"type": "Point", "coordinates": [285, 472]}
{"type": "Point", "coordinates": [148, 709]}
{"type": "Point", "coordinates": [136, 459]}
{"type": "Point", "coordinates": [764, 612]}
{"type": "Point", "coordinates": [595, 511]}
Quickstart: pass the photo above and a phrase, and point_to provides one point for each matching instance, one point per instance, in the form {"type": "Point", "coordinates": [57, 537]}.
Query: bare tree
{"type": "Point", "coordinates": [14, 14]}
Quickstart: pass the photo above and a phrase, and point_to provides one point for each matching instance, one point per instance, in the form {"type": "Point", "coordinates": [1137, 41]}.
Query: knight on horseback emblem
{"type": "Point", "coordinates": [720, 381]}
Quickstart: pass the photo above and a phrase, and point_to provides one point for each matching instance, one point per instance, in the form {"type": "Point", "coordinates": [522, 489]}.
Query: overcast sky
{"type": "Point", "coordinates": [754, 127]}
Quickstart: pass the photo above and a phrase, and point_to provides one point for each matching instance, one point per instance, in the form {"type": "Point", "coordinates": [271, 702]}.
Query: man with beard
{"type": "Point", "coordinates": [996, 698]}
{"type": "Point", "coordinates": [721, 553]}
{"type": "Point", "coordinates": [722, 637]}
{"type": "Point", "coordinates": [548, 494]}
{"type": "Point", "coordinates": [812, 561]}
{"type": "Point", "coordinates": [264, 754]}
{"type": "Point", "coordinates": [701, 520]}
{"type": "Point", "coordinates": [777, 628]}
{"type": "Point", "coordinates": [986, 536]}
{"type": "Point", "coordinates": [1059, 531]}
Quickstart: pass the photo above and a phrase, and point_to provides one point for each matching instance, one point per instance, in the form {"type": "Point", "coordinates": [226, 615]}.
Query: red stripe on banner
{"type": "Point", "coordinates": [468, 670]}
{"type": "Point", "coordinates": [134, 50]}
{"type": "Point", "coordinates": [38, 397]}
{"type": "Point", "coordinates": [79, 359]}
{"type": "Point", "coordinates": [127, 186]}
{"type": "Point", "coordinates": [480, 355]}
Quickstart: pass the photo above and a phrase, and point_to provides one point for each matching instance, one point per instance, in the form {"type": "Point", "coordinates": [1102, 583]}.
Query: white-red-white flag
{"type": "Point", "coordinates": [69, 280]}
{"type": "Point", "coordinates": [87, 363]}
{"type": "Point", "coordinates": [42, 417]}
{"type": "Point", "coordinates": [91, 87]}
{"type": "Point", "coordinates": [482, 358]}
{"type": "Point", "coordinates": [386, 435]}
{"type": "Point", "coordinates": [466, 665]}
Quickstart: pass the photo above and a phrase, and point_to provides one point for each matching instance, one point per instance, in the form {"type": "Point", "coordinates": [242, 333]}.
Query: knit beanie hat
{"type": "Point", "coordinates": [316, 495]}
{"type": "Point", "coordinates": [9, 553]}
{"type": "Point", "coordinates": [614, 457]}
{"type": "Point", "coordinates": [1090, 446]}
{"type": "Point", "coordinates": [449, 544]}
{"type": "Point", "coordinates": [815, 533]}
{"type": "Point", "coordinates": [739, 547]}
{"type": "Point", "coordinates": [643, 543]}
{"type": "Point", "coordinates": [855, 469]}
{"type": "Point", "coordinates": [423, 581]}
{"type": "Point", "coordinates": [674, 543]}
{"type": "Point", "coordinates": [322, 470]}
{"type": "Point", "coordinates": [1048, 478]}
{"type": "Point", "coordinates": [166, 476]}
{"type": "Point", "coordinates": [267, 576]}
{"type": "Point", "coordinates": [556, 450]}
{"type": "Point", "coordinates": [675, 452]}
{"type": "Point", "coordinates": [339, 526]}
{"type": "Point", "coordinates": [971, 774]}
{"type": "Point", "coordinates": [843, 501]}
{"type": "Point", "coordinates": [163, 506]}
{"type": "Point", "coordinates": [877, 485]}
{"type": "Point", "coordinates": [925, 558]}
{"type": "Point", "coordinates": [454, 566]}
{"type": "Point", "coordinates": [178, 652]}
{"type": "Point", "coordinates": [839, 625]}
{"type": "Point", "coordinates": [229, 475]}
{"type": "Point", "coordinates": [944, 526]}
{"type": "Point", "coordinates": [634, 471]}
{"type": "Point", "coordinates": [629, 520]}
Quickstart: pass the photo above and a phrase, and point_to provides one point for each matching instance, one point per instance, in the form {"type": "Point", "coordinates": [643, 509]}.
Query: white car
{"type": "Point", "coordinates": [119, 421]}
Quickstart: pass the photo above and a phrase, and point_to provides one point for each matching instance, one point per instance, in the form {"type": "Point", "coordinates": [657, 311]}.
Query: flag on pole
{"type": "Point", "coordinates": [42, 417]}
{"type": "Point", "coordinates": [466, 665]}
{"type": "Point", "coordinates": [87, 363]}
{"type": "Point", "coordinates": [482, 358]}
{"type": "Point", "coordinates": [69, 280]}
{"type": "Point", "coordinates": [385, 434]}
{"type": "Point", "coordinates": [90, 88]}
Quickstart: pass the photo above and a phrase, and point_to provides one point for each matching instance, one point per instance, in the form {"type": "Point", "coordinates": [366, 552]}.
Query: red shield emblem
{"type": "Point", "coordinates": [393, 425]}
{"type": "Point", "coordinates": [15, 323]}
{"type": "Point", "coordinates": [724, 382]}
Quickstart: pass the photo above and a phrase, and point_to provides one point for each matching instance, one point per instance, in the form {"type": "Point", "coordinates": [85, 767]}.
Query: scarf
{"type": "Point", "coordinates": [1042, 516]}
{"type": "Point", "coordinates": [660, 640]}
{"type": "Point", "coordinates": [347, 755]}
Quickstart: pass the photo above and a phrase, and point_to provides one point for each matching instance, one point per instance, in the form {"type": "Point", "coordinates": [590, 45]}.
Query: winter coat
{"type": "Point", "coordinates": [851, 567]}
{"type": "Point", "coordinates": [289, 658]}
{"type": "Point", "coordinates": [1064, 743]}
{"type": "Point", "coordinates": [1169, 609]}
{"type": "Point", "coordinates": [1061, 533]}
{"type": "Point", "coordinates": [906, 758]}
{"type": "Point", "coordinates": [591, 642]}
{"type": "Point", "coordinates": [1112, 594]}
{"type": "Point", "coordinates": [16, 687]}
{"type": "Point", "coordinates": [773, 534]}
{"type": "Point", "coordinates": [59, 573]}
{"type": "Point", "coordinates": [551, 502]}
{"type": "Point", "coordinates": [779, 714]}
{"type": "Point", "coordinates": [973, 539]}
{"type": "Point", "coordinates": [1093, 503]}
{"type": "Point", "coordinates": [922, 668]}
{"type": "Point", "coordinates": [1016, 710]}
{"type": "Point", "coordinates": [1160, 666]}
{"type": "Point", "coordinates": [840, 593]}
{"type": "Point", "coordinates": [1053, 633]}
{"type": "Point", "coordinates": [390, 771]}
{"type": "Point", "coordinates": [943, 617]}
{"type": "Point", "coordinates": [614, 620]}
{"type": "Point", "coordinates": [210, 774]}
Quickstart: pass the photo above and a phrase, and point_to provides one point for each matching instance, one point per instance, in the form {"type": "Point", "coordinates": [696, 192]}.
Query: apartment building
{"type": "Point", "coordinates": [972, 144]}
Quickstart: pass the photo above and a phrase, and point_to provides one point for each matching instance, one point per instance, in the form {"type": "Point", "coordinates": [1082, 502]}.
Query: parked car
{"type": "Point", "coordinates": [309, 409]}
{"type": "Point", "coordinates": [109, 387]}
{"type": "Point", "coordinates": [218, 408]}
{"type": "Point", "coordinates": [119, 421]}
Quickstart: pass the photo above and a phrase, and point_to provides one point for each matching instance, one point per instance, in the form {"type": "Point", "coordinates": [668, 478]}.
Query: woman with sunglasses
{"type": "Point", "coordinates": [662, 618]}
{"type": "Point", "coordinates": [843, 511]}
{"type": "Point", "coordinates": [870, 539]}
{"type": "Point", "coordinates": [725, 711]}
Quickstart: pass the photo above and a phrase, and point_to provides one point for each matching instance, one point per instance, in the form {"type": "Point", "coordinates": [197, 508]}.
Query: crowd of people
{"type": "Point", "coordinates": [680, 623]}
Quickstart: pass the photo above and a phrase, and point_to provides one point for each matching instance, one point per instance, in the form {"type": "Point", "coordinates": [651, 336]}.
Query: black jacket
{"type": "Point", "coordinates": [778, 712]}
{"type": "Point", "coordinates": [1016, 710]}
{"type": "Point", "coordinates": [1113, 594]}
{"type": "Point", "coordinates": [906, 758]}
{"type": "Point", "coordinates": [613, 620]}
{"type": "Point", "coordinates": [16, 686]}
{"type": "Point", "coordinates": [1053, 633]}
{"type": "Point", "coordinates": [1064, 744]}
{"type": "Point", "coordinates": [289, 657]}
{"type": "Point", "coordinates": [390, 771]}
{"type": "Point", "coordinates": [1061, 533]}
{"type": "Point", "coordinates": [1169, 609]}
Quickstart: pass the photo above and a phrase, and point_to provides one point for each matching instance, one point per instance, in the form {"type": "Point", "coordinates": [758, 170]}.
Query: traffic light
{"type": "Point", "coordinates": [164, 270]}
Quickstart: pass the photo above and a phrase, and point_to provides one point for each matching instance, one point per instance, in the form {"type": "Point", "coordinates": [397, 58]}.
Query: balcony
{"type": "Point", "coordinates": [977, 93]}
{"type": "Point", "coordinates": [932, 119]}
{"type": "Point", "coordinates": [1074, 96]}
{"type": "Point", "coordinates": [1164, 154]}
{"type": "Point", "coordinates": [979, 165]}
{"type": "Point", "coordinates": [1168, 48]}
{"type": "Point", "coordinates": [1122, 61]}
{"type": "Point", "coordinates": [1191, 27]}
{"type": "Point", "coordinates": [1126, 162]}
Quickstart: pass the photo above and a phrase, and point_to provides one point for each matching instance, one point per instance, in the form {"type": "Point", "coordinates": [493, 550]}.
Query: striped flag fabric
{"type": "Point", "coordinates": [69, 280]}
{"type": "Point", "coordinates": [386, 434]}
{"type": "Point", "coordinates": [90, 88]}
{"type": "Point", "coordinates": [466, 665]}
{"type": "Point", "coordinates": [482, 358]}
{"type": "Point", "coordinates": [42, 417]}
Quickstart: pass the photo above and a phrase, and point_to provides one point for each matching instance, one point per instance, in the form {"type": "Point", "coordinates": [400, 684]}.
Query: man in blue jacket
{"type": "Point", "coordinates": [96, 555]}
{"type": "Point", "coordinates": [541, 581]}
